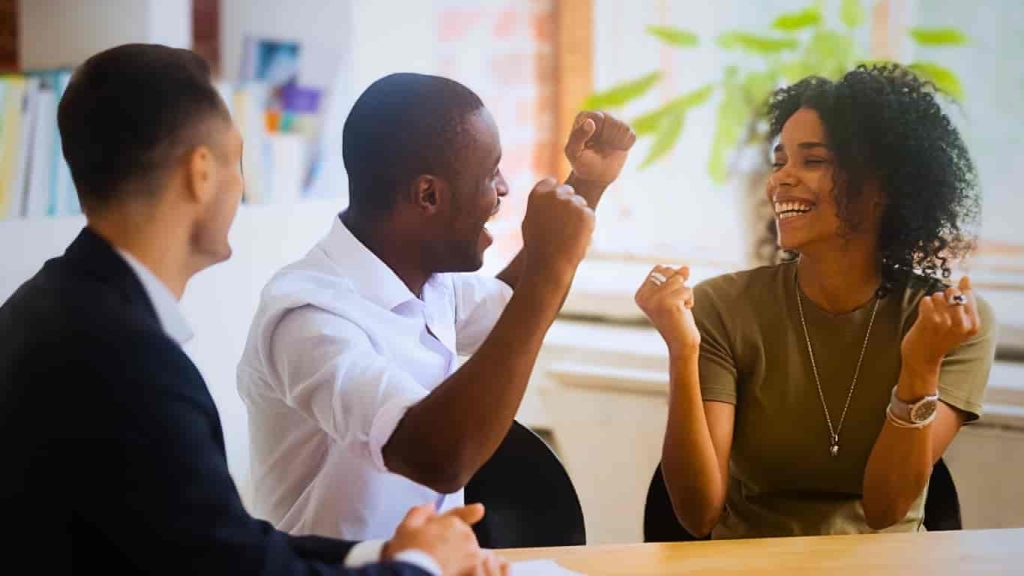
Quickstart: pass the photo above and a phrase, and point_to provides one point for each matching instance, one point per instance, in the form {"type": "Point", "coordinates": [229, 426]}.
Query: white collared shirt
{"type": "Point", "coordinates": [338, 351]}
{"type": "Point", "coordinates": [168, 312]}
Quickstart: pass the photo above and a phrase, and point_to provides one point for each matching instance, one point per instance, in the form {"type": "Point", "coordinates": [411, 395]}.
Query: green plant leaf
{"type": "Point", "coordinates": [794, 70]}
{"type": "Point", "coordinates": [851, 13]}
{"type": "Point", "coordinates": [938, 36]}
{"type": "Point", "coordinates": [674, 36]}
{"type": "Point", "coordinates": [756, 87]}
{"type": "Point", "coordinates": [798, 20]}
{"type": "Point", "coordinates": [755, 43]}
{"type": "Point", "coordinates": [666, 137]}
{"type": "Point", "coordinates": [650, 122]}
{"type": "Point", "coordinates": [623, 93]}
{"type": "Point", "coordinates": [830, 54]}
{"type": "Point", "coordinates": [732, 117]}
{"type": "Point", "coordinates": [943, 78]}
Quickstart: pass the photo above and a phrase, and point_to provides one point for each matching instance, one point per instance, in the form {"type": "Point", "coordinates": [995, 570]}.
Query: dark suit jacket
{"type": "Point", "coordinates": [111, 451]}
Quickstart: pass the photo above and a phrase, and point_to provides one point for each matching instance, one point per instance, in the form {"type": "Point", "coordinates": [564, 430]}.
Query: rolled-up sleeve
{"type": "Point", "coordinates": [479, 302]}
{"type": "Point", "coordinates": [326, 367]}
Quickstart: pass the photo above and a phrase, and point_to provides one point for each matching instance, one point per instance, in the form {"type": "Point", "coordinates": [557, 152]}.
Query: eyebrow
{"type": "Point", "coordinates": [802, 146]}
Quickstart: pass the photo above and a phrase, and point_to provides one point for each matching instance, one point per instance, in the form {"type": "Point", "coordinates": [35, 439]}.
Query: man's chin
{"type": "Point", "coordinates": [210, 258]}
{"type": "Point", "coordinates": [471, 263]}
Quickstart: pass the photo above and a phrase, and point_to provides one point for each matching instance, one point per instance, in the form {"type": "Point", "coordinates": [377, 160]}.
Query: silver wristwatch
{"type": "Point", "coordinates": [913, 414]}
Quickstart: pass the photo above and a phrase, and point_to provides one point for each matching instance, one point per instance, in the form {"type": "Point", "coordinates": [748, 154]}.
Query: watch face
{"type": "Point", "coordinates": [923, 411]}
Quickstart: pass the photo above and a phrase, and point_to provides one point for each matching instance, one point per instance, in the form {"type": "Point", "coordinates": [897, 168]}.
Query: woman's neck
{"type": "Point", "coordinates": [839, 281]}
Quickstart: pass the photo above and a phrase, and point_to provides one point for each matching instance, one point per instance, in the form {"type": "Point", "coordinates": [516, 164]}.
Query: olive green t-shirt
{"type": "Point", "coordinates": [782, 479]}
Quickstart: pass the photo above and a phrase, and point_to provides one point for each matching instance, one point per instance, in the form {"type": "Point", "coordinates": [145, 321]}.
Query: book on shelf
{"type": "Point", "coordinates": [12, 92]}
{"type": "Point", "coordinates": [42, 145]}
{"type": "Point", "coordinates": [34, 178]}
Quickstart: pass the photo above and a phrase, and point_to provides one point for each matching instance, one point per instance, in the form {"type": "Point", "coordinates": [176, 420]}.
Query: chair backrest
{"type": "Point", "coordinates": [660, 522]}
{"type": "Point", "coordinates": [529, 497]}
{"type": "Point", "coordinates": [941, 504]}
{"type": "Point", "coordinates": [941, 508]}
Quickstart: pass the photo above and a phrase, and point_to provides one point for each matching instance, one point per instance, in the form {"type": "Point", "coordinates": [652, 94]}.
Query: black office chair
{"type": "Point", "coordinates": [941, 508]}
{"type": "Point", "coordinates": [530, 499]}
{"type": "Point", "coordinates": [941, 504]}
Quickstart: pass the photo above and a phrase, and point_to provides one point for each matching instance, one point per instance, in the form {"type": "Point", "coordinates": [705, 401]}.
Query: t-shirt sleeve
{"type": "Point", "coordinates": [965, 370]}
{"type": "Point", "coordinates": [717, 366]}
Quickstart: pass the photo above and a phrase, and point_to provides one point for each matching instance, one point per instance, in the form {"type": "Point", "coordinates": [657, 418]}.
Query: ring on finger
{"type": "Point", "coordinates": [957, 300]}
{"type": "Point", "coordinates": [657, 278]}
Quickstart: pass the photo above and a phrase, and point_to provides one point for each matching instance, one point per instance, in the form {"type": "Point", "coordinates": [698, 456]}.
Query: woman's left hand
{"type": "Point", "coordinates": [945, 320]}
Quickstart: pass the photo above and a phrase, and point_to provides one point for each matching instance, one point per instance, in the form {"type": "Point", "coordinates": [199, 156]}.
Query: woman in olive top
{"type": "Point", "coordinates": [814, 396]}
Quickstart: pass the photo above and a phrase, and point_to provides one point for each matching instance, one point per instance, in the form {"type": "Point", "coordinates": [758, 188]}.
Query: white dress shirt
{"type": "Point", "coordinates": [168, 312]}
{"type": "Point", "coordinates": [174, 324]}
{"type": "Point", "coordinates": [338, 351]}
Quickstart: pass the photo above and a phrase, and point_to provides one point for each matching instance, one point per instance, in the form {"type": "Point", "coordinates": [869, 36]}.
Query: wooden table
{"type": "Point", "coordinates": [935, 553]}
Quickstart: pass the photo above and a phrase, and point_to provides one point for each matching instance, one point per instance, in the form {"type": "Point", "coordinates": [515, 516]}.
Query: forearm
{"type": "Point", "coordinates": [511, 274]}
{"type": "Point", "coordinates": [901, 459]}
{"type": "Point", "coordinates": [690, 464]}
{"type": "Point", "coordinates": [591, 191]}
{"type": "Point", "coordinates": [444, 439]}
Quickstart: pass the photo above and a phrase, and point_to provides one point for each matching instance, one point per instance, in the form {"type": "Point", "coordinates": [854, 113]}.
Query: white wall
{"type": "Point", "coordinates": [55, 33]}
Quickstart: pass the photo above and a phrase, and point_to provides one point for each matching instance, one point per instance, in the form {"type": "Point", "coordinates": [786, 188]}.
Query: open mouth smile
{"type": "Point", "coordinates": [791, 208]}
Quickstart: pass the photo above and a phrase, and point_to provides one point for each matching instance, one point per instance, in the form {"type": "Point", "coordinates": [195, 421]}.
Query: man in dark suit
{"type": "Point", "coordinates": [113, 454]}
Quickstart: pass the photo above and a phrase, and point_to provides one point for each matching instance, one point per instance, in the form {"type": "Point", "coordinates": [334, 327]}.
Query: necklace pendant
{"type": "Point", "coordinates": [834, 449]}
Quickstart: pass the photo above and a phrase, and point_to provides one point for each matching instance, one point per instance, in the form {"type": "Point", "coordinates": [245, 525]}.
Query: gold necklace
{"type": "Point", "coordinates": [833, 433]}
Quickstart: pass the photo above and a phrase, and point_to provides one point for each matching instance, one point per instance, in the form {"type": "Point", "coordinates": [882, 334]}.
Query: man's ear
{"type": "Point", "coordinates": [429, 194]}
{"type": "Point", "coordinates": [202, 175]}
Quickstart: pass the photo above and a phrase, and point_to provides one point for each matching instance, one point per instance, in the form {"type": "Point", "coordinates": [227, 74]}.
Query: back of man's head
{"type": "Point", "coordinates": [403, 126]}
{"type": "Point", "coordinates": [128, 114]}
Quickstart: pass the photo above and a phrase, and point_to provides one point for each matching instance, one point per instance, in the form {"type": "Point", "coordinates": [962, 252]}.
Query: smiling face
{"type": "Point", "coordinates": [476, 193]}
{"type": "Point", "coordinates": [802, 188]}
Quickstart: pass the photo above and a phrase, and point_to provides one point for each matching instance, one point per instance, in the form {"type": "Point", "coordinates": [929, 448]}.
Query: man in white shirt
{"type": "Point", "coordinates": [356, 408]}
{"type": "Point", "coordinates": [113, 451]}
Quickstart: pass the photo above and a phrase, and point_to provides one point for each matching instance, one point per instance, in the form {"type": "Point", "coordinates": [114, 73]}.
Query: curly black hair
{"type": "Point", "coordinates": [884, 122]}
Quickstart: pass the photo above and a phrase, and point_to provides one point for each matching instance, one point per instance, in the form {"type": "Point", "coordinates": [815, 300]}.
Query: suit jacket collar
{"type": "Point", "coordinates": [91, 255]}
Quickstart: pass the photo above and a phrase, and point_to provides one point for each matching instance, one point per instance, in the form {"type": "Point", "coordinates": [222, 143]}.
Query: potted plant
{"type": "Point", "coordinates": [797, 44]}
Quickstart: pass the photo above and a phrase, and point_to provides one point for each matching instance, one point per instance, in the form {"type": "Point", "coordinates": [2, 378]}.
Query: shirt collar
{"type": "Point", "coordinates": [370, 276]}
{"type": "Point", "coordinates": [166, 305]}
